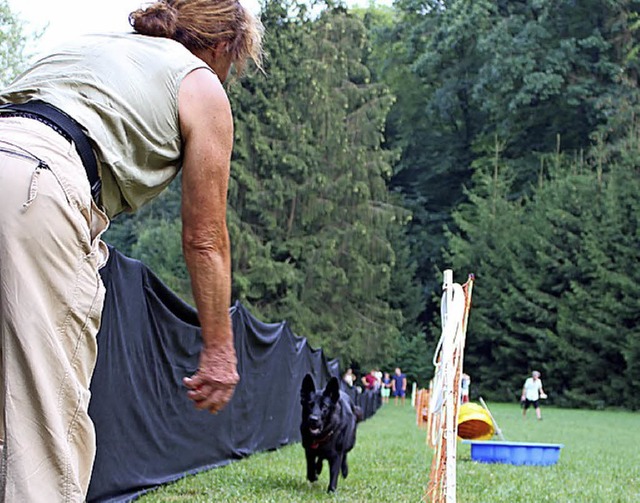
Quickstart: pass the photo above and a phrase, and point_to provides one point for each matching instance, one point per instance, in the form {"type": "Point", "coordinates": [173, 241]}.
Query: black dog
{"type": "Point", "coordinates": [328, 428]}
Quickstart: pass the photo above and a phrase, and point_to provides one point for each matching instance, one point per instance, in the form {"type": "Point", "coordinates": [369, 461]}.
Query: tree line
{"type": "Point", "coordinates": [386, 144]}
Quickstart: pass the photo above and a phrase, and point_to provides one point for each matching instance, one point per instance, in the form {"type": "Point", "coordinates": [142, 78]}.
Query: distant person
{"type": "Point", "coordinates": [370, 380]}
{"type": "Point", "coordinates": [465, 384]}
{"type": "Point", "coordinates": [349, 377]}
{"type": "Point", "coordinates": [385, 390]}
{"type": "Point", "coordinates": [378, 376]}
{"type": "Point", "coordinates": [399, 386]}
{"type": "Point", "coordinates": [532, 392]}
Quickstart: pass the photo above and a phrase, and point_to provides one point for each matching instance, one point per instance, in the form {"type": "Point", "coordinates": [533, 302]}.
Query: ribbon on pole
{"type": "Point", "coordinates": [444, 398]}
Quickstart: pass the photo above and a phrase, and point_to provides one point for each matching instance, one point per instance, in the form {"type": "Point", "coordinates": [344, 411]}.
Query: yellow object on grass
{"type": "Point", "coordinates": [474, 422]}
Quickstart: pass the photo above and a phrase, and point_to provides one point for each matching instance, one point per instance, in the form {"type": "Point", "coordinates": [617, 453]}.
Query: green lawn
{"type": "Point", "coordinates": [600, 462]}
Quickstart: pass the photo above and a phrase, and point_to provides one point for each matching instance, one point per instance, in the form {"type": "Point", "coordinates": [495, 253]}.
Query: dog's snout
{"type": "Point", "coordinates": [314, 419]}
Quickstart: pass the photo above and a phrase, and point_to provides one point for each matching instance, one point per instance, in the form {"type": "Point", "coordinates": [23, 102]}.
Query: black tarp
{"type": "Point", "coordinates": [147, 432]}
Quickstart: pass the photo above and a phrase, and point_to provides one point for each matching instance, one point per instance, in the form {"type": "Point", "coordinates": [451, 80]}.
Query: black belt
{"type": "Point", "coordinates": [68, 128]}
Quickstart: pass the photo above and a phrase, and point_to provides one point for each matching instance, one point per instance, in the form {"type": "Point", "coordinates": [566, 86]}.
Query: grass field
{"type": "Point", "coordinates": [600, 462]}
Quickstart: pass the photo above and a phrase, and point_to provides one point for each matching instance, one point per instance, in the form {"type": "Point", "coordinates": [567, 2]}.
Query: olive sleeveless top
{"type": "Point", "coordinates": [123, 90]}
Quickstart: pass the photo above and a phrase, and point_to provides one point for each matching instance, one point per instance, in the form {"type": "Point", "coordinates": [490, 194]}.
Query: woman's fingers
{"type": "Point", "coordinates": [212, 397]}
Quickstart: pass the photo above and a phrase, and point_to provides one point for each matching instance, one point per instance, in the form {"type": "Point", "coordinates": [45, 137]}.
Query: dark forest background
{"type": "Point", "coordinates": [386, 144]}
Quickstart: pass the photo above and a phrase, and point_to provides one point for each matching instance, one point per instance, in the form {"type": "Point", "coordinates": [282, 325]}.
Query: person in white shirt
{"type": "Point", "coordinates": [532, 392]}
{"type": "Point", "coordinates": [349, 377]}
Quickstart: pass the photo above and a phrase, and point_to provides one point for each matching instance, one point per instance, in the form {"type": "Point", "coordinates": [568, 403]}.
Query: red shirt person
{"type": "Point", "coordinates": [369, 380]}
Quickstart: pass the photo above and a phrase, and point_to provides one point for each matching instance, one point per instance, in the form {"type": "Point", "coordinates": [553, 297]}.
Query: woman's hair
{"type": "Point", "coordinates": [203, 24]}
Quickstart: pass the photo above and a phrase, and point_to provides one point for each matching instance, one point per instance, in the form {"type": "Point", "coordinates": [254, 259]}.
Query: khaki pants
{"type": "Point", "coordinates": [51, 298]}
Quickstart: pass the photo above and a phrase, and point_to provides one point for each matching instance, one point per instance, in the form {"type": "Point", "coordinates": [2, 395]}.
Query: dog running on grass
{"type": "Point", "coordinates": [328, 428]}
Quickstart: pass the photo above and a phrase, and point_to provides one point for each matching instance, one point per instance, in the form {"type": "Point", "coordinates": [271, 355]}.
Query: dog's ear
{"type": "Point", "coordinates": [333, 390]}
{"type": "Point", "coordinates": [308, 387]}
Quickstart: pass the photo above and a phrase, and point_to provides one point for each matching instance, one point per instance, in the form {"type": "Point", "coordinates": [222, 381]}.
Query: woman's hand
{"type": "Point", "coordinates": [212, 386]}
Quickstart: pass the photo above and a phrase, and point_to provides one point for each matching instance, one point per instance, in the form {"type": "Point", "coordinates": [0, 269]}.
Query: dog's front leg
{"type": "Point", "coordinates": [311, 465]}
{"type": "Point", "coordinates": [334, 469]}
{"type": "Point", "coordinates": [345, 466]}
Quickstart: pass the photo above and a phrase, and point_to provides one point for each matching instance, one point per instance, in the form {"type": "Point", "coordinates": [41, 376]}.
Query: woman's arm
{"type": "Point", "coordinates": [206, 126]}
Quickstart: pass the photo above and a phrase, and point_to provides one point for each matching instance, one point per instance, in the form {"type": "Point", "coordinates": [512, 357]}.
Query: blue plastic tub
{"type": "Point", "coordinates": [514, 453]}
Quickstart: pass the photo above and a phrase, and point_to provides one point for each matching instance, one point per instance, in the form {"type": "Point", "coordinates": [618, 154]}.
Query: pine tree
{"type": "Point", "coordinates": [312, 218]}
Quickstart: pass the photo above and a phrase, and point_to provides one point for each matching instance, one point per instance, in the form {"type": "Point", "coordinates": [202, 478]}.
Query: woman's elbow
{"type": "Point", "coordinates": [205, 241]}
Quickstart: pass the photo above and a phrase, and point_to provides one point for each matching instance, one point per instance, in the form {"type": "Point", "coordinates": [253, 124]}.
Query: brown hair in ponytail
{"type": "Point", "coordinates": [202, 24]}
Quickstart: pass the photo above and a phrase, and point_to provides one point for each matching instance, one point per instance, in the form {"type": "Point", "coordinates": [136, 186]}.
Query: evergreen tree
{"type": "Point", "coordinates": [484, 245]}
{"type": "Point", "coordinates": [312, 216]}
{"type": "Point", "coordinates": [556, 280]}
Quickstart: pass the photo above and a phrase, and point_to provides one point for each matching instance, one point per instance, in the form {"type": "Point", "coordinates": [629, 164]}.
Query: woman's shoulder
{"type": "Point", "coordinates": [127, 43]}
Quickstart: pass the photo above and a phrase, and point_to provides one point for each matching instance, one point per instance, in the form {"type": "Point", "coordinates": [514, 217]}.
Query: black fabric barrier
{"type": "Point", "coordinates": [147, 432]}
